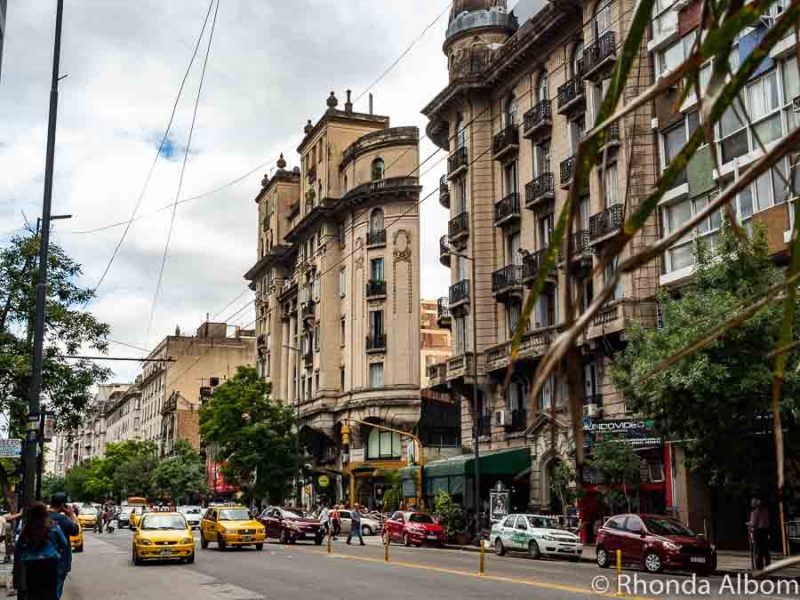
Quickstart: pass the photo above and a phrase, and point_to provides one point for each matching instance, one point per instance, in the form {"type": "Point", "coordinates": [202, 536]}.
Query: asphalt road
{"type": "Point", "coordinates": [306, 571]}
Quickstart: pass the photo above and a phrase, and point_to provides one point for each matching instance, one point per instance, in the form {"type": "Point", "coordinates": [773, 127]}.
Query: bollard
{"type": "Point", "coordinates": [482, 559]}
{"type": "Point", "coordinates": [619, 573]}
{"type": "Point", "coordinates": [330, 536]}
{"type": "Point", "coordinates": [386, 547]}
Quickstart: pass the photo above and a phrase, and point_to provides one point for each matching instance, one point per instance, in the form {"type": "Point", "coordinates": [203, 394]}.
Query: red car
{"type": "Point", "coordinates": [290, 525]}
{"type": "Point", "coordinates": [655, 543]}
{"type": "Point", "coordinates": [414, 528]}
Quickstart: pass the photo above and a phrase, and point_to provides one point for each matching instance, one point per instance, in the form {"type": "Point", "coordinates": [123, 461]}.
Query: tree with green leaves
{"type": "Point", "coordinates": [66, 383]}
{"type": "Point", "coordinates": [254, 435]}
{"type": "Point", "coordinates": [562, 485]}
{"type": "Point", "coordinates": [618, 470]}
{"type": "Point", "coordinates": [52, 484]}
{"type": "Point", "coordinates": [182, 475]}
{"type": "Point", "coordinates": [717, 397]}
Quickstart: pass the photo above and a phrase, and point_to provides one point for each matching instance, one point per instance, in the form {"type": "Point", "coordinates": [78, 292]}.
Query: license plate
{"type": "Point", "coordinates": [698, 559]}
{"type": "Point", "coordinates": [247, 538]}
{"type": "Point", "coordinates": [431, 536]}
{"type": "Point", "coordinates": [166, 553]}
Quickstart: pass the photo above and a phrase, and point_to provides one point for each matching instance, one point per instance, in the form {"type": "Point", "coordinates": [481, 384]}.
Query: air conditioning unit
{"type": "Point", "coordinates": [500, 418]}
{"type": "Point", "coordinates": [591, 410]}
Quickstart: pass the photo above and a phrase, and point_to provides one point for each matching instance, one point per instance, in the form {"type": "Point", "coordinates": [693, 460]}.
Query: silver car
{"type": "Point", "coordinates": [193, 515]}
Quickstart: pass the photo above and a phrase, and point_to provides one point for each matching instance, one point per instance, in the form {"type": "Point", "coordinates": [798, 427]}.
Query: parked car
{"type": "Point", "coordinates": [535, 534]}
{"type": "Point", "coordinates": [193, 515]}
{"type": "Point", "coordinates": [369, 526]}
{"type": "Point", "coordinates": [654, 542]}
{"type": "Point", "coordinates": [414, 528]}
{"type": "Point", "coordinates": [290, 525]}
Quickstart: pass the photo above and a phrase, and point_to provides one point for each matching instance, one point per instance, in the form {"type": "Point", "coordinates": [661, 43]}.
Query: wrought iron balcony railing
{"type": "Point", "coordinates": [458, 226]}
{"type": "Point", "coordinates": [507, 278]}
{"type": "Point", "coordinates": [606, 222]}
{"type": "Point", "coordinates": [376, 342]}
{"type": "Point", "coordinates": [459, 293]}
{"type": "Point", "coordinates": [444, 192]}
{"type": "Point", "coordinates": [599, 53]}
{"type": "Point", "coordinates": [537, 118]}
{"type": "Point", "coordinates": [444, 251]}
{"type": "Point", "coordinates": [507, 209]}
{"type": "Point", "coordinates": [443, 312]}
{"type": "Point", "coordinates": [571, 94]}
{"type": "Point", "coordinates": [506, 140]}
{"type": "Point", "coordinates": [457, 161]}
{"type": "Point", "coordinates": [376, 288]}
{"type": "Point", "coordinates": [376, 238]}
{"type": "Point", "coordinates": [567, 170]}
{"type": "Point", "coordinates": [540, 189]}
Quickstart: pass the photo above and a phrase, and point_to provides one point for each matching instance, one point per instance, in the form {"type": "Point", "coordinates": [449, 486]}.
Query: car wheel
{"type": "Point", "coordinates": [652, 562]}
{"type": "Point", "coordinates": [533, 549]}
{"type": "Point", "coordinates": [602, 558]}
{"type": "Point", "coordinates": [406, 541]}
{"type": "Point", "coordinates": [221, 543]}
{"type": "Point", "coordinates": [135, 558]}
{"type": "Point", "coordinates": [79, 548]}
{"type": "Point", "coordinates": [259, 547]}
{"type": "Point", "coordinates": [499, 549]}
{"type": "Point", "coordinates": [203, 542]}
{"type": "Point", "coordinates": [190, 559]}
{"type": "Point", "coordinates": [284, 538]}
{"type": "Point", "coordinates": [366, 530]}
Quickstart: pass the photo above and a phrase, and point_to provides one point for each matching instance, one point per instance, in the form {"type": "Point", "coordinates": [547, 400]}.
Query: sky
{"type": "Point", "coordinates": [272, 66]}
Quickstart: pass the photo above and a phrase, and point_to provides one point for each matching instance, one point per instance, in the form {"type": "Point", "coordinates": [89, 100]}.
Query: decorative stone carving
{"type": "Point", "coordinates": [402, 245]}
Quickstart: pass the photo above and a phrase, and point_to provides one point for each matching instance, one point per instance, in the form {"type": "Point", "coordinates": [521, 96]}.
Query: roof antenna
{"type": "Point", "coordinates": [370, 103]}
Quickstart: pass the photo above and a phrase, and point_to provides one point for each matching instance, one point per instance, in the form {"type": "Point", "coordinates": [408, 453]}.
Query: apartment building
{"type": "Point", "coordinates": [123, 415]}
{"type": "Point", "coordinates": [435, 344]}
{"type": "Point", "coordinates": [176, 371]}
{"type": "Point", "coordinates": [519, 99]}
{"type": "Point", "coordinates": [338, 295]}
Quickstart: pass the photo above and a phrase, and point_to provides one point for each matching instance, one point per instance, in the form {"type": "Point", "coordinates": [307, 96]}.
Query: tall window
{"type": "Point", "coordinates": [376, 375]}
{"type": "Point", "coordinates": [376, 323]}
{"type": "Point", "coordinates": [576, 64]}
{"type": "Point", "coordinates": [342, 282]}
{"type": "Point", "coordinates": [510, 112]}
{"type": "Point", "coordinates": [378, 168]}
{"type": "Point", "coordinates": [546, 312]}
{"type": "Point", "coordinates": [602, 18]}
{"type": "Point", "coordinates": [460, 335]}
{"type": "Point", "coordinates": [542, 92]}
{"type": "Point", "coordinates": [342, 331]}
{"type": "Point", "coordinates": [513, 242]}
{"type": "Point", "coordinates": [575, 131]}
{"type": "Point", "coordinates": [460, 192]}
{"type": "Point", "coordinates": [510, 177]}
{"type": "Point", "coordinates": [376, 269]}
{"type": "Point", "coordinates": [541, 163]}
{"type": "Point", "coordinates": [608, 272]}
{"type": "Point", "coordinates": [384, 444]}
{"type": "Point", "coordinates": [591, 383]}
{"type": "Point", "coordinates": [674, 139]}
{"type": "Point", "coordinates": [513, 310]}
{"type": "Point", "coordinates": [611, 185]}
{"type": "Point", "coordinates": [461, 268]}
{"type": "Point", "coordinates": [515, 394]}
{"type": "Point", "coordinates": [461, 132]}
{"type": "Point", "coordinates": [546, 394]}
{"type": "Point", "coordinates": [544, 231]}
{"type": "Point", "coordinates": [376, 220]}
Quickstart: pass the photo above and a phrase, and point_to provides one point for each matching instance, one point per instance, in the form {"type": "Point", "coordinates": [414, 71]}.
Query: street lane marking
{"type": "Point", "coordinates": [515, 580]}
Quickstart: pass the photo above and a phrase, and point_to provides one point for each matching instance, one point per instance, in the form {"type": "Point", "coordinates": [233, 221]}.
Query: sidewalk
{"type": "Point", "coordinates": [728, 562]}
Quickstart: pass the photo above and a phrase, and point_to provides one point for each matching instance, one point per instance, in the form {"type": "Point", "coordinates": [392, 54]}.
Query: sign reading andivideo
{"type": "Point", "coordinates": [636, 432]}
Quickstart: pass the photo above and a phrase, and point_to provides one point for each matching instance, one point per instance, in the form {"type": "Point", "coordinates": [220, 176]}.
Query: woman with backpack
{"type": "Point", "coordinates": [39, 550]}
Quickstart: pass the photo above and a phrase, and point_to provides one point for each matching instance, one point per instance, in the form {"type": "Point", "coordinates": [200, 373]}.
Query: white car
{"type": "Point", "coordinates": [193, 515]}
{"type": "Point", "coordinates": [369, 526]}
{"type": "Point", "coordinates": [538, 535]}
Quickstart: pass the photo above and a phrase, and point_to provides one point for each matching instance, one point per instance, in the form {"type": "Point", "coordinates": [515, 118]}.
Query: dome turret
{"type": "Point", "coordinates": [478, 16]}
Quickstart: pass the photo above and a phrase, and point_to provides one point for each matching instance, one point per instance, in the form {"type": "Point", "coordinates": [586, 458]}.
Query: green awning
{"type": "Point", "coordinates": [498, 462]}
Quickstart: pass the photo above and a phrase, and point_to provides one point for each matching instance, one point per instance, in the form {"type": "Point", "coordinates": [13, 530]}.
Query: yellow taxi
{"type": "Point", "coordinates": [76, 541]}
{"type": "Point", "coordinates": [87, 520]}
{"type": "Point", "coordinates": [135, 517]}
{"type": "Point", "coordinates": [162, 536]}
{"type": "Point", "coordinates": [231, 525]}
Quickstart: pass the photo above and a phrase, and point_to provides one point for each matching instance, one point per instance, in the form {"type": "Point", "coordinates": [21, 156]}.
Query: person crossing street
{"type": "Point", "coordinates": [355, 524]}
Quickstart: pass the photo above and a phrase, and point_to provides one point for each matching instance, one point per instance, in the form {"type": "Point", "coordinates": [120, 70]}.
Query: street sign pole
{"type": "Point", "coordinates": [32, 433]}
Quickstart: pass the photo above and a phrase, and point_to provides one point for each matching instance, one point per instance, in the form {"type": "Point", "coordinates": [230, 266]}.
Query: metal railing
{"type": "Point", "coordinates": [538, 115]}
{"type": "Point", "coordinates": [597, 52]}
{"type": "Point", "coordinates": [444, 192]}
{"type": "Point", "coordinates": [571, 91]}
{"type": "Point", "coordinates": [469, 64]}
{"type": "Point", "coordinates": [442, 309]}
{"type": "Point", "coordinates": [532, 262]}
{"type": "Point", "coordinates": [444, 251]}
{"type": "Point", "coordinates": [580, 241]}
{"type": "Point", "coordinates": [505, 139]}
{"type": "Point", "coordinates": [458, 225]}
{"type": "Point", "coordinates": [458, 159]}
{"type": "Point", "coordinates": [459, 292]}
{"type": "Point", "coordinates": [390, 184]}
{"type": "Point", "coordinates": [376, 288]}
{"type": "Point", "coordinates": [567, 170]}
{"type": "Point", "coordinates": [509, 276]}
{"type": "Point", "coordinates": [541, 187]}
{"type": "Point", "coordinates": [376, 342]}
{"type": "Point", "coordinates": [606, 222]}
{"type": "Point", "coordinates": [506, 208]}
{"type": "Point", "coordinates": [376, 238]}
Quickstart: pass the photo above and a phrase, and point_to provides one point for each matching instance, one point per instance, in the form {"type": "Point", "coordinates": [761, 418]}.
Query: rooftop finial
{"type": "Point", "coordinates": [309, 127]}
{"type": "Point", "coordinates": [348, 106]}
{"type": "Point", "coordinates": [281, 162]}
{"type": "Point", "coordinates": [333, 102]}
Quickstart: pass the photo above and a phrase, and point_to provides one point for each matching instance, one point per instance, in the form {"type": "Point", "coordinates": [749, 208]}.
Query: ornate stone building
{"type": "Point", "coordinates": [337, 295]}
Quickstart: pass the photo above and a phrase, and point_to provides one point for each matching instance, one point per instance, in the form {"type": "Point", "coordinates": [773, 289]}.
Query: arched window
{"type": "Point", "coordinates": [510, 113]}
{"type": "Point", "coordinates": [378, 168]}
{"type": "Point", "coordinates": [383, 444]}
{"type": "Point", "coordinates": [345, 183]}
{"type": "Point", "coordinates": [376, 220]}
{"type": "Point", "coordinates": [577, 60]}
{"type": "Point", "coordinates": [602, 18]}
{"type": "Point", "coordinates": [542, 93]}
{"type": "Point", "coordinates": [461, 132]}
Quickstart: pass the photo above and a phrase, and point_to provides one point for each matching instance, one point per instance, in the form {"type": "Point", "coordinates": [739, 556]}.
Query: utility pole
{"type": "Point", "coordinates": [29, 462]}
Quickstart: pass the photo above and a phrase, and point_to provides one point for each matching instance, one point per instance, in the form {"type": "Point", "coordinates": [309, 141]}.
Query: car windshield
{"type": "Point", "coordinates": [151, 522]}
{"type": "Point", "coordinates": [420, 518]}
{"type": "Point", "coordinates": [666, 527]}
{"type": "Point", "coordinates": [292, 514]}
{"type": "Point", "coordinates": [189, 510]}
{"type": "Point", "coordinates": [544, 523]}
{"type": "Point", "coordinates": [234, 514]}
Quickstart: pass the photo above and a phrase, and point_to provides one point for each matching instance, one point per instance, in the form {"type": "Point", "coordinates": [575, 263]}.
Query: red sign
{"type": "Point", "coordinates": [216, 481]}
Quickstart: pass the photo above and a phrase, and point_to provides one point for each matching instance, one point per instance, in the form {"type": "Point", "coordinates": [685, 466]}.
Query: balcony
{"type": "Point", "coordinates": [437, 375]}
{"type": "Point", "coordinates": [458, 227]}
{"type": "Point", "coordinates": [376, 342]}
{"type": "Point", "coordinates": [581, 250]}
{"type": "Point", "coordinates": [308, 312]}
{"type": "Point", "coordinates": [376, 239]}
{"type": "Point", "coordinates": [457, 162]}
{"type": "Point", "coordinates": [376, 288]}
{"type": "Point", "coordinates": [444, 192]}
{"type": "Point", "coordinates": [572, 96]}
{"type": "Point", "coordinates": [507, 209]}
{"type": "Point", "coordinates": [443, 313]}
{"type": "Point", "coordinates": [617, 315]}
{"type": "Point", "coordinates": [517, 420]}
{"type": "Point", "coordinates": [507, 280]}
{"type": "Point", "coordinates": [459, 294]}
{"type": "Point", "coordinates": [505, 142]}
{"type": "Point", "coordinates": [599, 57]}
{"type": "Point", "coordinates": [567, 172]}
{"type": "Point", "coordinates": [606, 223]}
{"type": "Point", "coordinates": [469, 64]}
{"type": "Point", "coordinates": [444, 251]}
{"type": "Point", "coordinates": [532, 264]}
{"type": "Point", "coordinates": [539, 191]}
{"type": "Point", "coordinates": [538, 120]}
{"type": "Point", "coordinates": [461, 366]}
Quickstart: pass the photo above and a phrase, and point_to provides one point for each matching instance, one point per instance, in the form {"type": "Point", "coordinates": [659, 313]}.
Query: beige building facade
{"type": "Point", "coordinates": [435, 343]}
{"type": "Point", "coordinates": [123, 415]}
{"type": "Point", "coordinates": [338, 295]}
{"type": "Point", "coordinates": [519, 100]}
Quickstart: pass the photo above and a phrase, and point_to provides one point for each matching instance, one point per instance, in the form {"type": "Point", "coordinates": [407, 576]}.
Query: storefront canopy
{"type": "Point", "coordinates": [498, 462]}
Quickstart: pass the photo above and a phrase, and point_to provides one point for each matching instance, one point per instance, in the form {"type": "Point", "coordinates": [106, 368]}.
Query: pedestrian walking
{"type": "Point", "coordinates": [336, 521]}
{"type": "Point", "coordinates": [355, 524]}
{"type": "Point", "coordinates": [39, 555]}
{"type": "Point", "coordinates": [325, 519]}
{"type": "Point", "coordinates": [759, 532]}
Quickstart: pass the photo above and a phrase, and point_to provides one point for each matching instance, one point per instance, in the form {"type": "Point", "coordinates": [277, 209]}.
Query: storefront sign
{"type": "Point", "coordinates": [49, 427]}
{"type": "Point", "coordinates": [637, 432]}
{"type": "Point", "coordinates": [10, 448]}
{"type": "Point", "coordinates": [323, 481]}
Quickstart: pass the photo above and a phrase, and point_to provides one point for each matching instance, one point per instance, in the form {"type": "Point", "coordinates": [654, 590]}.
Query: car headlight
{"type": "Point", "coordinates": [549, 537]}
{"type": "Point", "coordinates": [671, 546]}
{"type": "Point", "coordinates": [145, 542]}
{"type": "Point", "coordinates": [187, 540]}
